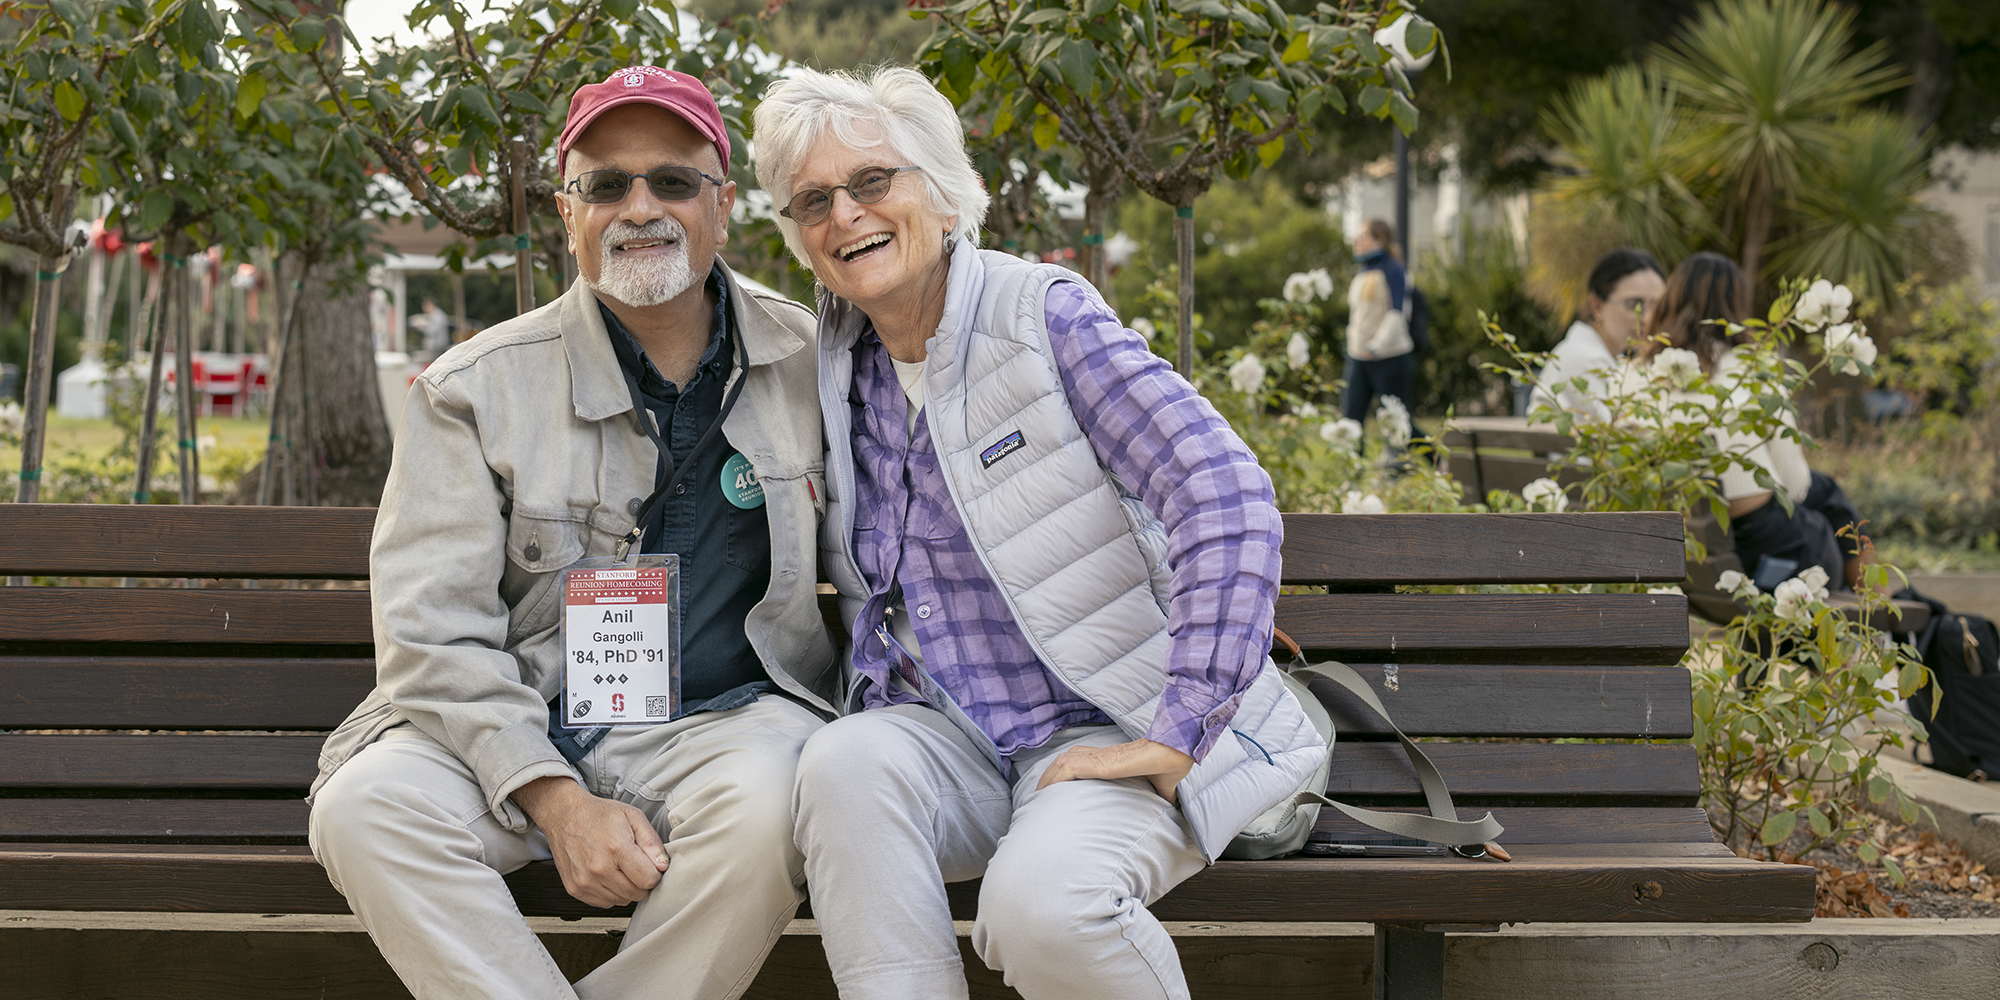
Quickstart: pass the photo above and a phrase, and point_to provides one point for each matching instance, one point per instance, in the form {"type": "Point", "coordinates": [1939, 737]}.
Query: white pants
{"type": "Point", "coordinates": [404, 833]}
{"type": "Point", "coordinates": [894, 803]}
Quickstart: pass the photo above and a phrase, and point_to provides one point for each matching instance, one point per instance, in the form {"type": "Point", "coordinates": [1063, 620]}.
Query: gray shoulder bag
{"type": "Point", "coordinates": [1284, 828]}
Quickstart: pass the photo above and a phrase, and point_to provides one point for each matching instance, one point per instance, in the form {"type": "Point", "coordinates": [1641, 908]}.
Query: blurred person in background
{"type": "Point", "coordinates": [1381, 357]}
{"type": "Point", "coordinates": [1625, 288]}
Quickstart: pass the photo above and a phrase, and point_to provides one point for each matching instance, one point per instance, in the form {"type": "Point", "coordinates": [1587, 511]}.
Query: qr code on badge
{"type": "Point", "coordinates": [656, 706]}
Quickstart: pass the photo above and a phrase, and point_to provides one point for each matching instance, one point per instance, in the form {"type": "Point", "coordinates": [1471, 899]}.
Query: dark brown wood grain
{"type": "Point", "coordinates": [163, 616]}
{"type": "Point", "coordinates": [1506, 432]}
{"type": "Point", "coordinates": [158, 821]}
{"type": "Point", "coordinates": [1484, 548]}
{"type": "Point", "coordinates": [171, 692]}
{"type": "Point", "coordinates": [1512, 472]}
{"type": "Point", "coordinates": [1540, 884]}
{"type": "Point", "coordinates": [125, 760]}
{"type": "Point", "coordinates": [326, 543]}
{"type": "Point", "coordinates": [1566, 825]}
{"type": "Point", "coordinates": [1639, 629]}
{"type": "Point", "coordinates": [1520, 773]}
{"type": "Point", "coordinates": [1518, 701]}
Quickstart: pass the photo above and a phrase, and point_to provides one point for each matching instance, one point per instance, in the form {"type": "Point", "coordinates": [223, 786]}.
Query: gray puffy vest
{"type": "Point", "coordinates": [1080, 559]}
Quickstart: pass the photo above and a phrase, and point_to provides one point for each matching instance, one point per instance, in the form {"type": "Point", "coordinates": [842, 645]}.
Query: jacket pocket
{"type": "Point", "coordinates": [541, 542]}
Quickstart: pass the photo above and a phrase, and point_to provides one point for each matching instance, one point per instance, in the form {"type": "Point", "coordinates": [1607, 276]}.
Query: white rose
{"type": "Point", "coordinates": [1144, 328]}
{"type": "Point", "coordinates": [1676, 365]}
{"type": "Point", "coordinates": [1544, 493]}
{"type": "Point", "coordinates": [1794, 600]}
{"type": "Point", "coordinates": [13, 420]}
{"type": "Point", "coordinates": [1395, 420]}
{"type": "Point", "coordinates": [1305, 411]}
{"type": "Point", "coordinates": [1355, 503]}
{"type": "Point", "coordinates": [1342, 433]}
{"type": "Point", "coordinates": [1731, 580]}
{"type": "Point", "coordinates": [1821, 303]}
{"type": "Point", "coordinates": [1298, 351]}
{"type": "Point", "coordinates": [1247, 374]}
{"type": "Point", "coordinates": [1847, 349]}
{"type": "Point", "coordinates": [1299, 288]}
{"type": "Point", "coordinates": [1814, 577]}
{"type": "Point", "coordinates": [1322, 282]}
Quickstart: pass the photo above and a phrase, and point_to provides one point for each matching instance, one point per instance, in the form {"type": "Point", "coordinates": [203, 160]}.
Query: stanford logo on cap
{"type": "Point", "coordinates": [635, 80]}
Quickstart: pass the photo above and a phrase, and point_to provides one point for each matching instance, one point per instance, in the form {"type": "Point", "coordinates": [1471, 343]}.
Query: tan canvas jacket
{"type": "Point", "coordinates": [519, 453]}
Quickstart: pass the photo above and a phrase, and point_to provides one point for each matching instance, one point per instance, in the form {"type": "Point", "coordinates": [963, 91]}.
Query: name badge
{"type": "Point", "coordinates": [621, 642]}
{"type": "Point", "coordinates": [740, 485]}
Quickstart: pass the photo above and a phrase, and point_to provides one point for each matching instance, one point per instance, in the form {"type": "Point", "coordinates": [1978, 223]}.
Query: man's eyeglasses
{"type": "Point", "coordinates": [868, 186]}
{"type": "Point", "coordinates": [609, 187]}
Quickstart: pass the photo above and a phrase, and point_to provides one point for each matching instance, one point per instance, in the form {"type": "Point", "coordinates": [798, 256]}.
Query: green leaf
{"type": "Point", "coordinates": [6, 206]}
{"type": "Point", "coordinates": [1373, 98]}
{"type": "Point", "coordinates": [69, 100]}
{"type": "Point", "coordinates": [1403, 112]}
{"type": "Point", "coordinates": [1821, 826]}
{"type": "Point", "coordinates": [155, 211]}
{"type": "Point", "coordinates": [121, 126]}
{"type": "Point", "coordinates": [1778, 827]}
{"type": "Point", "coordinates": [1098, 8]}
{"type": "Point", "coordinates": [1879, 788]}
{"type": "Point", "coordinates": [1079, 65]}
{"type": "Point", "coordinates": [1269, 152]}
{"type": "Point", "coordinates": [307, 33]}
{"type": "Point", "coordinates": [1299, 49]}
{"type": "Point", "coordinates": [474, 99]}
{"type": "Point", "coordinates": [1895, 870]}
{"type": "Point", "coordinates": [249, 94]}
{"type": "Point", "coordinates": [1044, 16]}
{"type": "Point", "coordinates": [621, 9]}
{"type": "Point", "coordinates": [1420, 37]}
{"type": "Point", "coordinates": [1047, 130]}
{"type": "Point", "coordinates": [1270, 95]}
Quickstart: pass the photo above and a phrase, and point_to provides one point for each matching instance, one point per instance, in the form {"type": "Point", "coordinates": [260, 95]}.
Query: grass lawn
{"type": "Point", "coordinates": [93, 438]}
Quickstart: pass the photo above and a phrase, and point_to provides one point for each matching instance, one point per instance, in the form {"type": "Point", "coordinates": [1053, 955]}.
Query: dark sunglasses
{"type": "Point", "coordinates": [609, 187]}
{"type": "Point", "coordinates": [868, 186]}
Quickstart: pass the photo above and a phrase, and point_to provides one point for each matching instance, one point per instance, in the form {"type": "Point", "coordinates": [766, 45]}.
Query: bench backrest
{"type": "Point", "coordinates": [158, 713]}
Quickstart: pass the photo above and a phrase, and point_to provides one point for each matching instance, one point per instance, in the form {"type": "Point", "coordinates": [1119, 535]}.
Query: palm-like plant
{"type": "Point", "coordinates": [1766, 85]}
{"type": "Point", "coordinates": [1857, 212]}
{"type": "Point", "coordinates": [1623, 139]}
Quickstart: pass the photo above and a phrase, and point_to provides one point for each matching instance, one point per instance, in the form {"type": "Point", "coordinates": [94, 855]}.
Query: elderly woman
{"type": "Point", "coordinates": [1058, 565]}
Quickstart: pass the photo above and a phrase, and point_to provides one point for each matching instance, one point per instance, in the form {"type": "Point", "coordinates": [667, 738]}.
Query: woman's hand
{"type": "Point", "coordinates": [1158, 763]}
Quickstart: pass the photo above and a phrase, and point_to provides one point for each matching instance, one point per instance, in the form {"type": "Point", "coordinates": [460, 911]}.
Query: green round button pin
{"type": "Point", "coordinates": [739, 483]}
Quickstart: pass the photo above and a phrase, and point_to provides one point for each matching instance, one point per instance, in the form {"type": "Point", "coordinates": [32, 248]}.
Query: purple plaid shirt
{"type": "Point", "coordinates": [1152, 430]}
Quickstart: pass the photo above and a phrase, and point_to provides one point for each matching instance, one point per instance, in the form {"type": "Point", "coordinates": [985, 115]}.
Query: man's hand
{"type": "Point", "coordinates": [1158, 763]}
{"type": "Point", "coordinates": [608, 852]}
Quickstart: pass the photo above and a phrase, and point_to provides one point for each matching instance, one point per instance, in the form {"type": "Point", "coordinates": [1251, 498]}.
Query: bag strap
{"type": "Point", "coordinates": [1442, 826]}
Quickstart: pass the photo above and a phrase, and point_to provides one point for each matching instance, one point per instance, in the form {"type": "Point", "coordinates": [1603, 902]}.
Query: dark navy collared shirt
{"type": "Point", "coordinates": [725, 549]}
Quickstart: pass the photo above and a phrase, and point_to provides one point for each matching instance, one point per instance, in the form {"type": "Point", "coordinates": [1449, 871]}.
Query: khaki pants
{"type": "Point", "coordinates": [404, 834]}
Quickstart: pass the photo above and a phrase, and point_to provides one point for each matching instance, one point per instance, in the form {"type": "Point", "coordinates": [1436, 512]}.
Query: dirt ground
{"type": "Point", "coordinates": [1940, 880]}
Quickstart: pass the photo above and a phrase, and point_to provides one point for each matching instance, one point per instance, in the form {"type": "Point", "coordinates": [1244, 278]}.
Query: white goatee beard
{"type": "Point", "coordinates": [643, 281]}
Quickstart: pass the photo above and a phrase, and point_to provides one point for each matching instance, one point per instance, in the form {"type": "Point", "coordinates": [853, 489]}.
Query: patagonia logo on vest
{"type": "Point", "coordinates": [1001, 449]}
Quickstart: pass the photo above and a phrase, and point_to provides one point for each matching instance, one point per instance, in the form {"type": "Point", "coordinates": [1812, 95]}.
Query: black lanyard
{"type": "Point", "coordinates": [674, 475]}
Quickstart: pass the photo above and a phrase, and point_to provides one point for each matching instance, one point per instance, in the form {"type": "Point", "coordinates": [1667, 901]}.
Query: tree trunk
{"type": "Point", "coordinates": [156, 342]}
{"type": "Point", "coordinates": [340, 434]}
{"type": "Point", "coordinates": [186, 393]}
{"type": "Point", "coordinates": [275, 442]}
{"type": "Point", "coordinates": [524, 256]}
{"type": "Point", "coordinates": [1184, 254]}
{"type": "Point", "coordinates": [1097, 204]}
{"type": "Point", "coordinates": [41, 369]}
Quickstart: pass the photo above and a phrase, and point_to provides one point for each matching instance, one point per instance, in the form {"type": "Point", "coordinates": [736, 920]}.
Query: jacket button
{"type": "Point", "coordinates": [681, 490]}
{"type": "Point", "coordinates": [533, 552]}
{"type": "Point", "coordinates": [632, 506]}
{"type": "Point", "coordinates": [923, 611]}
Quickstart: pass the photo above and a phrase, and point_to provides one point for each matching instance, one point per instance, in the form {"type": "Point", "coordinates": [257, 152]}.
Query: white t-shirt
{"type": "Point", "coordinates": [1581, 354]}
{"type": "Point", "coordinates": [911, 374]}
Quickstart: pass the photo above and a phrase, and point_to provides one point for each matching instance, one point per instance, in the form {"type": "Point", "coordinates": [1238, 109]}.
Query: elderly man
{"type": "Point", "coordinates": [657, 400]}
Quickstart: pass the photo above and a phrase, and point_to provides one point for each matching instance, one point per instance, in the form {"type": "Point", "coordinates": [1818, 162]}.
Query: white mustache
{"type": "Point", "coordinates": [658, 229]}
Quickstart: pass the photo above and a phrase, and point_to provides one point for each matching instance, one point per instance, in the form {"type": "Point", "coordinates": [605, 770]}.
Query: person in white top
{"type": "Point", "coordinates": [1823, 527]}
{"type": "Point", "coordinates": [1624, 289]}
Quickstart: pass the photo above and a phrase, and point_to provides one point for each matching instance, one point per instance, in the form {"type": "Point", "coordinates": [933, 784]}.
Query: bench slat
{"type": "Point", "coordinates": [1496, 548]}
{"type": "Point", "coordinates": [163, 615]}
{"type": "Point", "coordinates": [1648, 883]}
{"type": "Point", "coordinates": [1364, 773]}
{"type": "Point", "coordinates": [1545, 701]}
{"type": "Point", "coordinates": [138, 762]}
{"type": "Point", "coordinates": [164, 821]}
{"type": "Point", "coordinates": [1561, 825]}
{"type": "Point", "coordinates": [1639, 629]}
{"type": "Point", "coordinates": [320, 543]}
{"type": "Point", "coordinates": [1450, 700]}
{"type": "Point", "coordinates": [136, 692]}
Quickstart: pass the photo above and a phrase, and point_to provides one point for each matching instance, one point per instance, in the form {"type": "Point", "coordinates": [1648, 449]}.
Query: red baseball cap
{"type": "Point", "coordinates": [677, 92]}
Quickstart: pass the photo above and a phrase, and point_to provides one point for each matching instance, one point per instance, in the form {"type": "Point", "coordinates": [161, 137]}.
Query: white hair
{"type": "Point", "coordinates": [893, 107]}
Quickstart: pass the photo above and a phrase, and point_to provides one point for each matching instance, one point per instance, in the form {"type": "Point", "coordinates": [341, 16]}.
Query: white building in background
{"type": "Point", "coordinates": [1442, 213]}
{"type": "Point", "coordinates": [1968, 189]}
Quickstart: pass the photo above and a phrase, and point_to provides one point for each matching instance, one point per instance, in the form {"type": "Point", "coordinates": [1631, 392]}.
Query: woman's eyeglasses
{"type": "Point", "coordinates": [609, 187]}
{"type": "Point", "coordinates": [868, 186]}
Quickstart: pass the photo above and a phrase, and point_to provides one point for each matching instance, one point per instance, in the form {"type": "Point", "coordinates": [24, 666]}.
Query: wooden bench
{"type": "Point", "coordinates": [155, 741]}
